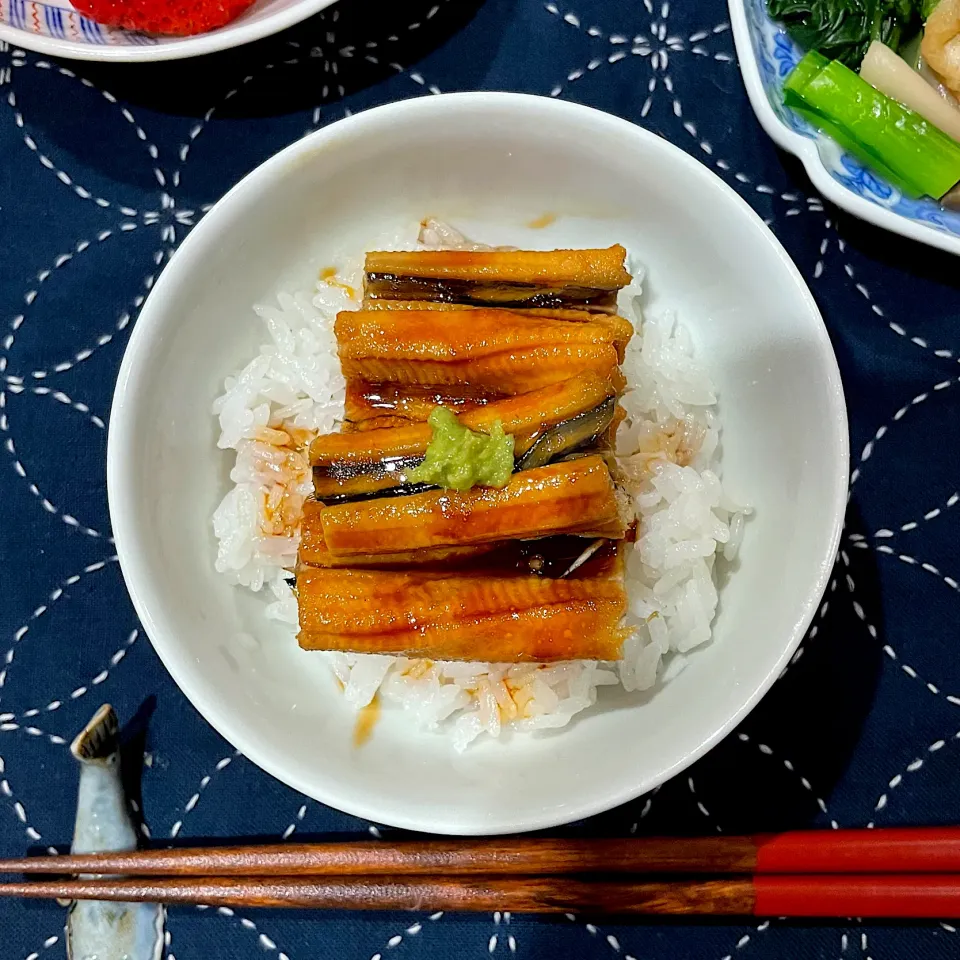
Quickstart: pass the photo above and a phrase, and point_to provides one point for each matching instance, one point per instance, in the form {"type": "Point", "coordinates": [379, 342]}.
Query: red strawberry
{"type": "Point", "coordinates": [174, 17]}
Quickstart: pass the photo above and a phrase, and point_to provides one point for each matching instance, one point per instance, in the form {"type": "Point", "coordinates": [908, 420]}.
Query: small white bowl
{"type": "Point", "coordinates": [55, 28]}
{"type": "Point", "coordinates": [503, 159]}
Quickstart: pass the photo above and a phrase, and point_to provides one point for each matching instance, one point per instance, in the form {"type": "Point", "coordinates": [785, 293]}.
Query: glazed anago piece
{"type": "Point", "coordinates": [581, 279]}
{"type": "Point", "coordinates": [481, 615]}
{"type": "Point", "coordinates": [492, 352]}
{"type": "Point", "coordinates": [544, 423]}
{"type": "Point", "coordinates": [575, 496]}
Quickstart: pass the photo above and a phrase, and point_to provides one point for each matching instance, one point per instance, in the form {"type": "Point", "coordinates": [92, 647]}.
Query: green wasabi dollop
{"type": "Point", "coordinates": [459, 458]}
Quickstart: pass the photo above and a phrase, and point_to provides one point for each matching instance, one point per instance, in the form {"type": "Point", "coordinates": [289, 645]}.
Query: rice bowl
{"type": "Point", "coordinates": [294, 388]}
{"type": "Point", "coordinates": [756, 332]}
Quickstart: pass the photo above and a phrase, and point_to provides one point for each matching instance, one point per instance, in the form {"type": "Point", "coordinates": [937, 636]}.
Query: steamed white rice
{"type": "Point", "coordinates": [293, 389]}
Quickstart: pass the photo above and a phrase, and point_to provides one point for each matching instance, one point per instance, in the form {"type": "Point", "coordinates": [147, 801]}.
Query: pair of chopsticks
{"type": "Point", "coordinates": [895, 873]}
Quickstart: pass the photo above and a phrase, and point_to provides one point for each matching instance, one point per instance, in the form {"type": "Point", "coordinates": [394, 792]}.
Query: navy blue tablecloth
{"type": "Point", "coordinates": [104, 169]}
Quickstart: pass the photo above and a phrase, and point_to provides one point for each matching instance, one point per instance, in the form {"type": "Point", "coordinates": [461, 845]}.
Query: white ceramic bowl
{"type": "Point", "coordinates": [55, 28]}
{"type": "Point", "coordinates": [498, 159]}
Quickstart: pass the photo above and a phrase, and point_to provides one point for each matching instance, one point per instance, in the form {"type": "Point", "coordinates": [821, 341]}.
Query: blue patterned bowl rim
{"type": "Point", "coordinates": [766, 55]}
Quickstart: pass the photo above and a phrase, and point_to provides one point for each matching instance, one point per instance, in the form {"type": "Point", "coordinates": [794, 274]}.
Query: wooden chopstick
{"type": "Point", "coordinates": [890, 851]}
{"type": "Point", "coordinates": [896, 897]}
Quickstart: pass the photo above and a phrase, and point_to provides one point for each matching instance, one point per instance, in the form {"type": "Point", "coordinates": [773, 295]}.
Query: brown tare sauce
{"type": "Point", "coordinates": [553, 556]}
{"type": "Point", "coordinates": [549, 557]}
{"type": "Point", "coordinates": [370, 401]}
{"type": "Point", "coordinates": [543, 221]}
{"type": "Point", "coordinates": [329, 275]}
{"type": "Point", "coordinates": [366, 720]}
{"type": "Point", "coordinates": [283, 503]}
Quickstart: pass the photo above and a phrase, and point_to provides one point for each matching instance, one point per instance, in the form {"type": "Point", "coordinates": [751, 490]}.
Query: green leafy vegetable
{"type": "Point", "coordinates": [897, 142]}
{"type": "Point", "coordinates": [842, 29]}
{"type": "Point", "coordinates": [459, 458]}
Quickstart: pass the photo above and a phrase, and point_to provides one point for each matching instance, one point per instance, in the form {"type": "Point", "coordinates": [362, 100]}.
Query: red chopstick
{"type": "Point", "coordinates": [890, 850]}
{"type": "Point", "coordinates": [893, 896]}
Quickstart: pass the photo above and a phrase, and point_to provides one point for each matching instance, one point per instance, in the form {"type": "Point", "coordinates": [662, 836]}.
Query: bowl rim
{"type": "Point", "coordinates": [230, 35]}
{"type": "Point", "coordinates": [150, 608]}
{"type": "Point", "coordinates": [806, 151]}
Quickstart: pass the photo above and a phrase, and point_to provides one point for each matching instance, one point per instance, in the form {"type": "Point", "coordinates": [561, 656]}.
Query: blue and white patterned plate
{"type": "Point", "coordinates": [56, 29]}
{"type": "Point", "coordinates": [767, 55]}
